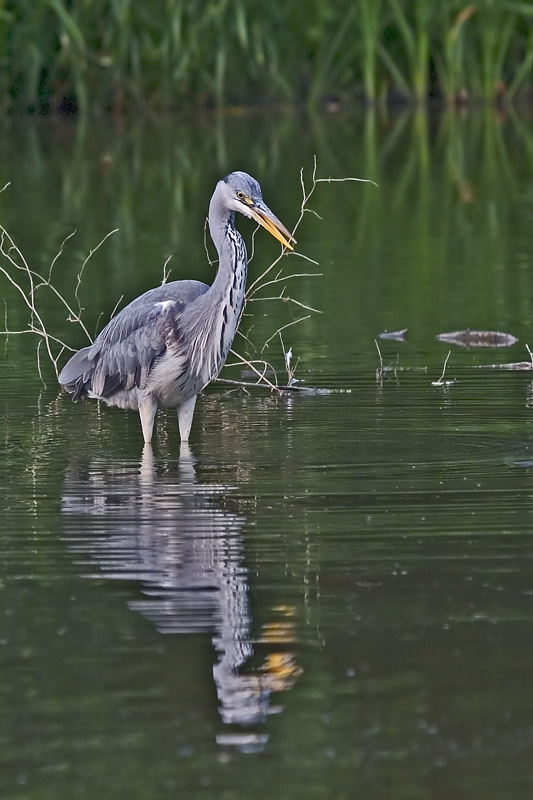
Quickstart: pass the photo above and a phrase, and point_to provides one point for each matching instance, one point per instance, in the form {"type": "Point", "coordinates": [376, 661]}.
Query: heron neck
{"type": "Point", "coordinates": [230, 247]}
{"type": "Point", "coordinates": [211, 321]}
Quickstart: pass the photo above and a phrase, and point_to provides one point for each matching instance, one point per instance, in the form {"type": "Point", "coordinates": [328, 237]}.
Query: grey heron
{"type": "Point", "coordinates": [169, 343]}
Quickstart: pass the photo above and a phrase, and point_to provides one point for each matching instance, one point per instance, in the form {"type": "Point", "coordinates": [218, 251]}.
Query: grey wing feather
{"type": "Point", "coordinates": [122, 355]}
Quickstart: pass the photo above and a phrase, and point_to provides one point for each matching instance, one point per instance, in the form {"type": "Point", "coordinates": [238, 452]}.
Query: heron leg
{"type": "Point", "coordinates": [147, 409]}
{"type": "Point", "coordinates": [185, 415]}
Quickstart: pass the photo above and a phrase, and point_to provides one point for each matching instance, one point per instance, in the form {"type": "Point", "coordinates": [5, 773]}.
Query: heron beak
{"type": "Point", "coordinates": [264, 216]}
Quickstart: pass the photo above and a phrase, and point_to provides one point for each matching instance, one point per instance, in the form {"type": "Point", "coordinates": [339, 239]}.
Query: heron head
{"type": "Point", "coordinates": [243, 194]}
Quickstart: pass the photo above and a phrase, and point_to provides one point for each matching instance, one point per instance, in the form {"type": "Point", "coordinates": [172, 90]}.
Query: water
{"type": "Point", "coordinates": [328, 595]}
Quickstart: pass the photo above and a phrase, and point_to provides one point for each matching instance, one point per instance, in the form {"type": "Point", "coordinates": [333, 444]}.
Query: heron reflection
{"type": "Point", "coordinates": [183, 544]}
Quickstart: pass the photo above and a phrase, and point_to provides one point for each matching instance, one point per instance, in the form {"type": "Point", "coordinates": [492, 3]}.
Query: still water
{"type": "Point", "coordinates": [328, 595]}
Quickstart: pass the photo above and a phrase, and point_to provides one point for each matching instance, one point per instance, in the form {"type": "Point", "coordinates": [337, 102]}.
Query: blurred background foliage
{"type": "Point", "coordinates": [95, 55]}
{"type": "Point", "coordinates": [451, 217]}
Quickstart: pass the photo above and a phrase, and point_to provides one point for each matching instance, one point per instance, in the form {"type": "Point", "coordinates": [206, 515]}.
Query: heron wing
{"type": "Point", "coordinates": [124, 352]}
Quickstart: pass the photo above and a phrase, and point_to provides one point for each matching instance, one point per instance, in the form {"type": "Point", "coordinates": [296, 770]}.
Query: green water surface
{"type": "Point", "coordinates": [329, 595]}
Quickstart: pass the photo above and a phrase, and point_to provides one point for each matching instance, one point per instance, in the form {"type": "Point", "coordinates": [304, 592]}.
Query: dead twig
{"type": "Point", "coordinates": [343, 180]}
{"type": "Point", "coordinates": [282, 278]}
{"type": "Point", "coordinates": [379, 371]}
{"type": "Point", "coordinates": [304, 209]}
{"type": "Point", "coordinates": [166, 273]}
{"type": "Point", "coordinates": [261, 375]}
{"type": "Point", "coordinates": [289, 367]}
{"type": "Point", "coordinates": [441, 381]}
{"type": "Point", "coordinates": [261, 385]}
{"type": "Point", "coordinates": [28, 286]}
{"type": "Point", "coordinates": [80, 274]}
{"type": "Point", "coordinates": [283, 327]}
{"type": "Point", "coordinates": [274, 275]}
{"type": "Point", "coordinates": [285, 299]}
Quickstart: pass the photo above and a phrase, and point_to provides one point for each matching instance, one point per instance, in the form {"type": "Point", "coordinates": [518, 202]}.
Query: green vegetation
{"type": "Point", "coordinates": [169, 54]}
{"type": "Point", "coordinates": [440, 180]}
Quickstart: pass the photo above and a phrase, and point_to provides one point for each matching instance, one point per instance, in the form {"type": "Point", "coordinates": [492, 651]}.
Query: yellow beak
{"type": "Point", "coordinates": [264, 216]}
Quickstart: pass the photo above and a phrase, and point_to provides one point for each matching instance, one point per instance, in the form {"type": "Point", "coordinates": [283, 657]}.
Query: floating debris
{"type": "Point", "coordinates": [469, 338]}
{"type": "Point", "coordinates": [516, 365]}
{"type": "Point", "coordinates": [282, 387]}
{"type": "Point", "coordinates": [388, 368]}
{"type": "Point", "coordinates": [313, 390]}
{"type": "Point", "coordinates": [398, 336]}
{"type": "Point", "coordinates": [512, 365]}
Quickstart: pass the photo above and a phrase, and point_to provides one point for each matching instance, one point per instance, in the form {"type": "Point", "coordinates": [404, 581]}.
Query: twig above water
{"type": "Point", "coordinates": [441, 381]}
{"type": "Point", "coordinates": [267, 280]}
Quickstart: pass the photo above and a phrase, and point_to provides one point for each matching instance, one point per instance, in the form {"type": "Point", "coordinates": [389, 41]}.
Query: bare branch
{"type": "Point", "coordinates": [31, 282]}
{"type": "Point", "coordinates": [80, 274]}
{"type": "Point", "coordinates": [119, 301]}
{"type": "Point", "coordinates": [59, 253]}
{"type": "Point", "coordinates": [282, 279]}
{"type": "Point", "coordinates": [283, 327]}
{"type": "Point", "coordinates": [290, 369]}
{"type": "Point", "coordinates": [306, 258]}
{"type": "Point", "coordinates": [288, 300]}
{"type": "Point", "coordinates": [274, 273]}
{"type": "Point", "coordinates": [305, 197]}
{"type": "Point", "coordinates": [28, 288]}
{"type": "Point", "coordinates": [343, 180]}
{"type": "Point", "coordinates": [165, 273]}
{"type": "Point", "coordinates": [245, 336]}
{"type": "Point", "coordinates": [250, 364]}
{"type": "Point", "coordinates": [252, 251]}
{"type": "Point", "coordinates": [39, 370]}
{"type": "Point", "coordinates": [28, 299]}
{"type": "Point", "coordinates": [379, 371]}
{"type": "Point", "coordinates": [441, 381]}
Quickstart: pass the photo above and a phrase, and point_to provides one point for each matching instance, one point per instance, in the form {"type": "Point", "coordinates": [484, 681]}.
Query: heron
{"type": "Point", "coordinates": [163, 348]}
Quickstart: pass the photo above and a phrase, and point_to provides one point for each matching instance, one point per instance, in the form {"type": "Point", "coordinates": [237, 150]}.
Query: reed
{"type": "Point", "coordinates": [370, 27]}
{"type": "Point", "coordinates": [95, 55]}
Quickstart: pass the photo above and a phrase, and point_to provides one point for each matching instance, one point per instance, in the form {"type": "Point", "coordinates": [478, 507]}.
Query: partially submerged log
{"type": "Point", "coordinates": [469, 338]}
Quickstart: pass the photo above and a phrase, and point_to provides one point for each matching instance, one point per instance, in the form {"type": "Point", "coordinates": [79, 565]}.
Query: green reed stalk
{"type": "Point", "coordinates": [495, 33]}
{"type": "Point", "coordinates": [370, 22]}
{"type": "Point", "coordinates": [450, 59]}
{"type": "Point", "coordinates": [169, 54]}
{"type": "Point", "coordinates": [413, 21]}
{"type": "Point", "coordinates": [324, 77]}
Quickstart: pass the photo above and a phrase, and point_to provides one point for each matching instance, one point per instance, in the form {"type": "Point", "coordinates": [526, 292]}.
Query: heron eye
{"type": "Point", "coordinates": [241, 195]}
